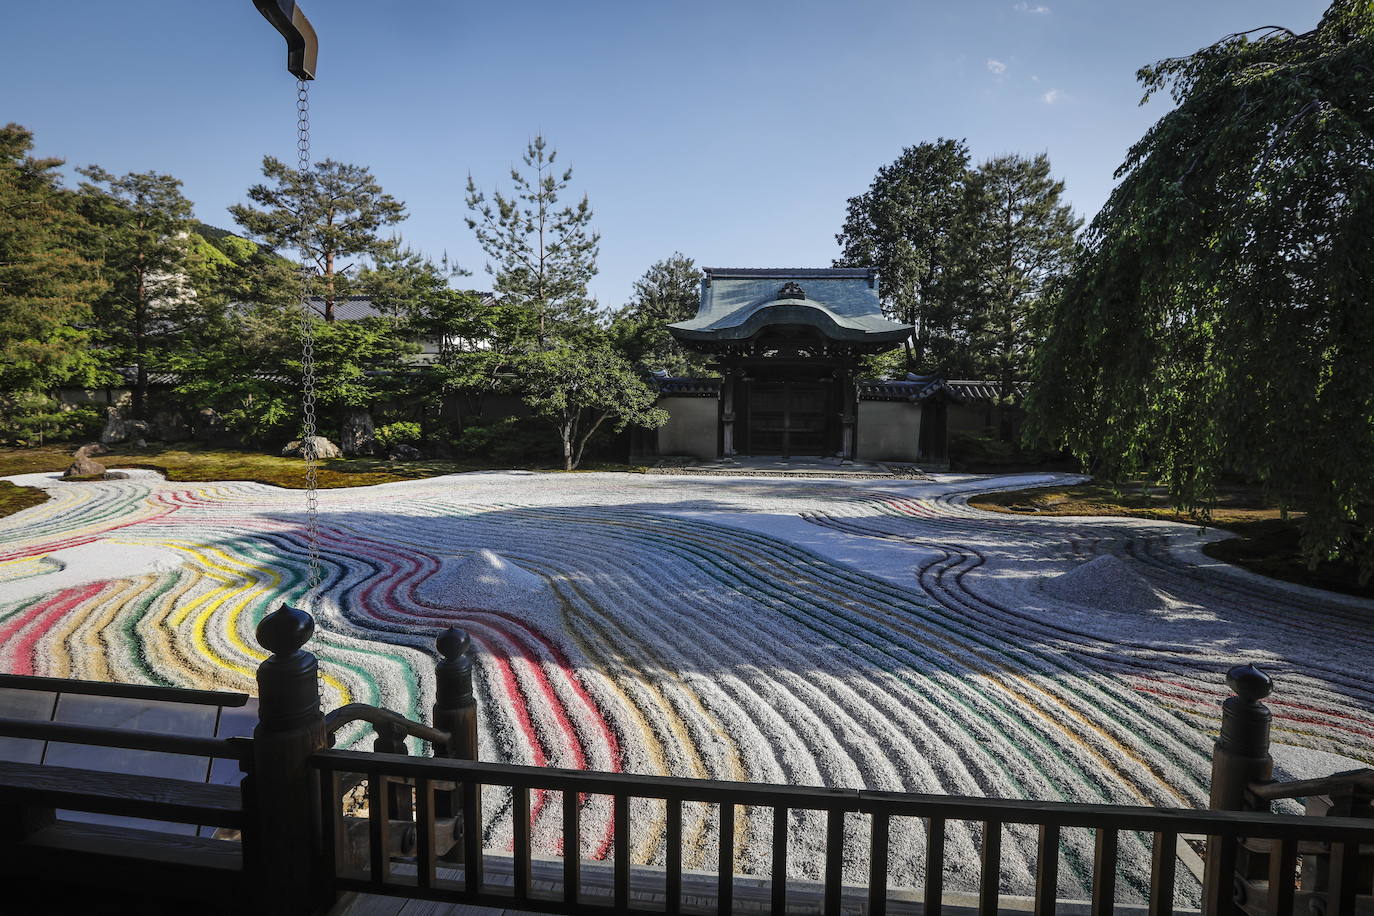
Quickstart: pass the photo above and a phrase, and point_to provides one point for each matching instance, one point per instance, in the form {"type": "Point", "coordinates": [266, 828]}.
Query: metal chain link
{"type": "Point", "coordinates": [308, 432]}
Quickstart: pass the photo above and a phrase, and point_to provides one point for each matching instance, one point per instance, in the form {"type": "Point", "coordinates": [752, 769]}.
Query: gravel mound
{"type": "Point", "coordinates": [485, 579]}
{"type": "Point", "coordinates": [1108, 584]}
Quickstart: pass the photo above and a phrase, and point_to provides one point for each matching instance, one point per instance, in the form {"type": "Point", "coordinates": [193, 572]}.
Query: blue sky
{"type": "Point", "coordinates": [731, 131]}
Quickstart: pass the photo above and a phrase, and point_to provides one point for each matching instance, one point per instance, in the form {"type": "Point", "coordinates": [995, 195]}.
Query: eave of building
{"type": "Point", "coordinates": [791, 273]}
{"type": "Point", "coordinates": [917, 388]}
{"type": "Point", "coordinates": [747, 323]}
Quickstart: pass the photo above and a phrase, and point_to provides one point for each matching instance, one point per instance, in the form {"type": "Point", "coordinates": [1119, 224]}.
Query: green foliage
{"type": "Point", "coordinates": [891, 364]}
{"type": "Point", "coordinates": [355, 361]}
{"type": "Point", "coordinates": [208, 254]}
{"type": "Point", "coordinates": [416, 289]}
{"type": "Point", "coordinates": [542, 256]}
{"type": "Point", "coordinates": [253, 377]}
{"type": "Point", "coordinates": [152, 306]}
{"type": "Point", "coordinates": [1019, 242]}
{"type": "Point", "coordinates": [580, 388]}
{"type": "Point", "coordinates": [31, 418]}
{"type": "Point", "coordinates": [250, 377]}
{"type": "Point", "coordinates": [235, 248]}
{"type": "Point", "coordinates": [334, 210]}
{"type": "Point", "coordinates": [402, 432]}
{"type": "Point", "coordinates": [46, 282]}
{"type": "Point", "coordinates": [904, 225]}
{"type": "Point", "coordinates": [509, 442]}
{"type": "Point", "coordinates": [963, 253]}
{"type": "Point", "coordinates": [669, 291]}
{"type": "Point", "coordinates": [1220, 315]}
{"type": "Point", "coordinates": [989, 451]}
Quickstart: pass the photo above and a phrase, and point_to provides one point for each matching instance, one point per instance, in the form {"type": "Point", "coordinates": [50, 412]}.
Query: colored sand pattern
{"type": "Point", "coordinates": [852, 633]}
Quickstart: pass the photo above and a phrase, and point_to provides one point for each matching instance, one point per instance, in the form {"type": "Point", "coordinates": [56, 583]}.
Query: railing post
{"type": "Point", "coordinates": [1239, 757]}
{"type": "Point", "coordinates": [285, 798]}
{"type": "Point", "coordinates": [455, 710]}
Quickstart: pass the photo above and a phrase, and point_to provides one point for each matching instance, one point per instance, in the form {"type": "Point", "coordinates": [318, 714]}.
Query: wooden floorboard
{"type": "Point", "coordinates": [434, 908]}
{"type": "Point", "coordinates": [354, 904]}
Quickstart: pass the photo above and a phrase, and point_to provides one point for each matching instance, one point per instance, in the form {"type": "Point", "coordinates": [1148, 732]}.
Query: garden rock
{"type": "Point", "coordinates": [317, 447]}
{"type": "Point", "coordinates": [209, 425]}
{"type": "Point", "coordinates": [84, 468]}
{"type": "Point", "coordinates": [117, 426]}
{"type": "Point", "coordinates": [404, 452]}
{"type": "Point", "coordinates": [90, 450]}
{"type": "Point", "coordinates": [359, 434]}
{"type": "Point", "coordinates": [170, 426]}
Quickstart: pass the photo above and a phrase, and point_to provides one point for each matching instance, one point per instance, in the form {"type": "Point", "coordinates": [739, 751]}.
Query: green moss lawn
{"type": "Point", "coordinates": [190, 462]}
{"type": "Point", "coordinates": [1267, 543]}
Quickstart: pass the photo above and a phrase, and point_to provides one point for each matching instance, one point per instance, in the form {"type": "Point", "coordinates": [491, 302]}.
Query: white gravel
{"type": "Point", "coordinates": [861, 633]}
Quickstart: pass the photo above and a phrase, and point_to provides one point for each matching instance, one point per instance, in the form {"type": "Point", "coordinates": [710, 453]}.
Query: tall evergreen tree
{"type": "Point", "coordinates": [1020, 239]}
{"type": "Point", "coordinates": [542, 255]}
{"type": "Point", "coordinates": [669, 291]}
{"type": "Point", "coordinates": [143, 234]}
{"type": "Point", "coordinates": [1220, 316]}
{"type": "Point", "coordinates": [332, 212]}
{"type": "Point", "coordinates": [907, 225]}
{"type": "Point", "coordinates": [47, 283]}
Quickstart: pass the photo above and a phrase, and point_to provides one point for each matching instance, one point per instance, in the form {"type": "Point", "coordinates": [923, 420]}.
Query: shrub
{"type": "Point", "coordinates": [972, 451]}
{"type": "Point", "coordinates": [404, 432]}
{"type": "Point", "coordinates": [29, 418]}
{"type": "Point", "coordinates": [513, 441]}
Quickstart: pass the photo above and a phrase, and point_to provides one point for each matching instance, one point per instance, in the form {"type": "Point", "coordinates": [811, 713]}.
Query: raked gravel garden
{"type": "Point", "coordinates": [859, 633]}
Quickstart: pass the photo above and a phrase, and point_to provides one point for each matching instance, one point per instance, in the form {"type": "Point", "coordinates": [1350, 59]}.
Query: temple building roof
{"type": "Point", "coordinates": [912, 388]}
{"type": "Point", "coordinates": [841, 303]}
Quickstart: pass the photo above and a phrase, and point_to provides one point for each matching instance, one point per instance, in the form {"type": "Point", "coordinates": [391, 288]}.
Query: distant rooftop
{"type": "Point", "coordinates": [358, 307]}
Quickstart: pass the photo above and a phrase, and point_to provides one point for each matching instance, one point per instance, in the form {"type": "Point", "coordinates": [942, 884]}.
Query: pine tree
{"type": "Point", "coordinates": [331, 212]}
{"type": "Point", "coordinates": [46, 282]}
{"type": "Point", "coordinates": [542, 255]}
{"type": "Point", "coordinates": [907, 225]}
{"type": "Point", "coordinates": [669, 291]}
{"type": "Point", "coordinates": [144, 236]}
{"type": "Point", "coordinates": [1020, 238]}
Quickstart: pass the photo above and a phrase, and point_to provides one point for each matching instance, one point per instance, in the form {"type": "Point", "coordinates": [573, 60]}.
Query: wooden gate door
{"type": "Point", "coordinates": [787, 418]}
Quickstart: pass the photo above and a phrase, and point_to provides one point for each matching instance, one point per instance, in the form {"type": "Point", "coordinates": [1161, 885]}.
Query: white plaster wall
{"type": "Point", "coordinates": [888, 431]}
{"type": "Point", "coordinates": [691, 428]}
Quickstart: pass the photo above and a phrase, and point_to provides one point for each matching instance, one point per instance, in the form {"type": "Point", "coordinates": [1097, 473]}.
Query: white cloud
{"type": "Point", "coordinates": [1037, 9]}
{"type": "Point", "coordinates": [1054, 95]}
{"type": "Point", "coordinates": [996, 66]}
{"type": "Point", "coordinates": [1034, 78]}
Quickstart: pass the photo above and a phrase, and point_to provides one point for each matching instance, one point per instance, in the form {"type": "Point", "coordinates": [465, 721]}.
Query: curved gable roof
{"type": "Point", "coordinates": [842, 303]}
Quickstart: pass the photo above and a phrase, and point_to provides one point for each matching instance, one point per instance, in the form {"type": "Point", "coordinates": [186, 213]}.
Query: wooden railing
{"type": "Point", "coordinates": [427, 875]}
{"type": "Point", "coordinates": [317, 821]}
{"type": "Point", "coordinates": [129, 739]}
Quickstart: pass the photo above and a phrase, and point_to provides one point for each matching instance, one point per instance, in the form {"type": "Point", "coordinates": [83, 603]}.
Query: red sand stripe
{"type": "Point", "coordinates": [38, 620]}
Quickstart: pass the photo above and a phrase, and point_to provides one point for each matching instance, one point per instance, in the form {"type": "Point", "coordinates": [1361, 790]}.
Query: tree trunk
{"type": "Point", "coordinates": [140, 368]}
{"type": "Point", "coordinates": [585, 437]}
{"type": "Point", "coordinates": [329, 287]}
{"type": "Point", "coordinates": [1006, 401]}
{"type": "Point", "coordinates": [568, 463]}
